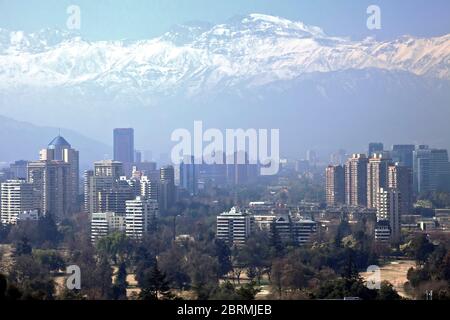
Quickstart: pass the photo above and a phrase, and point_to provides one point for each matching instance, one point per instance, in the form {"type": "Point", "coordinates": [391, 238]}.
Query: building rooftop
{"type": "Point", "coordinates": [58, 142]}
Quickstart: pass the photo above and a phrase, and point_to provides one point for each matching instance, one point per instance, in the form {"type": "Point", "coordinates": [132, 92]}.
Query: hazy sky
{"type": "Point", "coordinates": [139, 19]}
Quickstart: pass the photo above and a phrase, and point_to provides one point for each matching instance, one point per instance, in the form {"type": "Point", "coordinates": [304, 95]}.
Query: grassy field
{"type": "Point", "coordinates": [395, 272]}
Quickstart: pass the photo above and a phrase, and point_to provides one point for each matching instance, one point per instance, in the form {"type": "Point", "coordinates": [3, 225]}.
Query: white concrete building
{"type": "Point", "coordinates": [140, 214]}
{"type": "Point", "coordinates": [388, 209]}
{"type": "Point", "coordinates": [382, 231]}
{"type": "Point", "coordinates": [29, 215]}
{"type": "Point", "coordinates": [233, 227]}
{"type": "Point", "coordinates": [16, 197]}
{"type": "Point", "coordinates": [104, 223]}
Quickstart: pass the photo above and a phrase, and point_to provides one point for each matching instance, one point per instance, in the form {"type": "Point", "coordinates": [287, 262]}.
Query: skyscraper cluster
{"type": "Point", "coordinates": [388, 180]}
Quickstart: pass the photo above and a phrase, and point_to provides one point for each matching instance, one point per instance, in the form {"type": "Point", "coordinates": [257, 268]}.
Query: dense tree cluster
{"type": "Point", "coordinates": [197, 265]}
{"type": "Point", "coordinates": [433, 268]}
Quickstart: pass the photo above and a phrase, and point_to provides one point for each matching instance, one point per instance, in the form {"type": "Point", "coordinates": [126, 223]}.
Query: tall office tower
{"type": "Point", "coordinates": [19, 169]}
{"type": "Point", "coordinates": [215, 173]}
{"type": "Point", "coordinates": [335, 185]}
{"type": "Point", "coordinates": [400, 178]}
{"type": "Point", "coordinates": [356, 180]}
{"type": "Point", "coordinates": [189, 175]}
{"type": "Point", "coordinates": [52, 187]}
{"type": "Point", "coordinates": [388, 209]}
{"type": "Point", "coordinates": [238, 168]}
{"type": "Point", "coordinates": [403, 154]}
{"type": "Point", "coordinates": [16, 198]}
{"type": "Point", "coordinates": [312, 158]}
{"type": "Point", "coordinates": [167, 190]}
{"type": "Point", "coordinates": [60, 150]}
{"type": "Point", "coordinates": [140, 217]}
{"type": "Point", "coordinates": [377, 177]}
{"type": "Point", "coordinates": [431, 170]}
{"type": "Point", "coordinates": [233, 227]}
{"type": "Point", "coordinates": [440, 170]}
{"type": "Point", "coordinates": [375, 147]}
{"type": "Point", "coordinates": [124, 148]}
{"type": "Point", "coordinates": [137, 156]}
{"type": "Point", "coordinates": [422, 169]}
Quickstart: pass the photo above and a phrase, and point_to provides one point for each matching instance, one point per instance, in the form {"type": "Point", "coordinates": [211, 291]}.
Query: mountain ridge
{"type": "Point", "coordinates": [250, 72]}
{"type": "Point", "coordinates": [270, 47]}
{"type": "Point", "coordinates": [24, 140]}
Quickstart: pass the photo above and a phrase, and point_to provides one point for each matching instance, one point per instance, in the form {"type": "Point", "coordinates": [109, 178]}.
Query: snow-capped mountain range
{"type": "Point", "coordinates": [251, 51]}
{"type": "Point", "coordinates": [255, 71]}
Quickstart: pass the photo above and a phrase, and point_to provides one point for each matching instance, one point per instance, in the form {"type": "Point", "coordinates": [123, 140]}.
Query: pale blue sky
{"type": "Point", "coordinates": [138, 19]}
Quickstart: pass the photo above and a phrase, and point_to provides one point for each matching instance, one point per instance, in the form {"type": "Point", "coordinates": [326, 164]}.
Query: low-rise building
{"type": "Point", "coordinates": [28, 215]}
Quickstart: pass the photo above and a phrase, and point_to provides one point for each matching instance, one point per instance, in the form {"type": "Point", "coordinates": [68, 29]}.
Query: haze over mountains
{"type": "Point", "coordinates": [22, 140]}
{"type": "Point", "coordinates": [256, 71]}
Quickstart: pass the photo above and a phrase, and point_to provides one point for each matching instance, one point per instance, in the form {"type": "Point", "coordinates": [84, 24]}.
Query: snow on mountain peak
{"type": "Point", "coordinates": [42, 40]}
{"type": "Point", "coordinates": [252, 50]}
{"type": "Point", "coordinates": [285, 23]}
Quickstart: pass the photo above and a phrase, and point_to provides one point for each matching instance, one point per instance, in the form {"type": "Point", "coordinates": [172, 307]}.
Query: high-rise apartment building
{"type": "Point", "coordinates": [19, 169]}
{"type": "Point", "coordinates": [356, 180]}
{"type": "Point", "coordinates": [233, 227]}
{"type": "Point", "coordinates": [377, 177]}
{"type": "Point", "coordinates": [140, 217]}
{"type": "Point", "coordinates": [150, 188]}
{"type": "Point", "coordinates": [52, 187]}
{"type": "Point", "coordinates": [114, 199]}
{"type": "Point", "coordinates": [108, 168]}
{"type": "Point", "coordinates": [61, 150]}
{"type": "Point", "coordinates": [335, 185]}
{"type": "Point", "coordinates": [105, 223]}
{"type": "Point", "coordinates": [388, 209]}
{"type": "Point", "coordinates": [106, 190]}
{"type": "Point", "coordinates": [16, 198]}
{"type": "Point", "coordinates": [400, 178]}
{"type": "Point", "coordinates": [167, 191]}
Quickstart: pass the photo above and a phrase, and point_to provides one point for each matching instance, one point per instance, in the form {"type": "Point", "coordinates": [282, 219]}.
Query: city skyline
{"type": "Point", "coordinates": [236, 153]}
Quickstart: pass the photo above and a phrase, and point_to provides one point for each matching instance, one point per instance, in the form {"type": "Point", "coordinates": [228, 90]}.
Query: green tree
{"type": "Point", "coordinates": [116, 246]}
{"type": "Point", "coordinates": [23, 247]}
{"type": "Point", "coordinates": [387, 292]}
{"type": "Point", "coordinates": [223, 254]}
{"type": "Point", "coordinates": [50, 259]}
{"type": "Point", "coordinates": [420, 248]}
{"type": "Point", "coordinates": [32, 278]}
{"type": "Point", "coordinates": [155, 285]}
{"type": "Point", "coordinates": [248, 291]}
{"type": "Point", "coordinates": [119, 289]}
{"type": "Point", "coordinates": [172, 262]}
